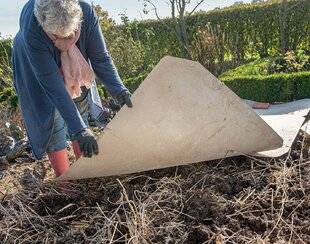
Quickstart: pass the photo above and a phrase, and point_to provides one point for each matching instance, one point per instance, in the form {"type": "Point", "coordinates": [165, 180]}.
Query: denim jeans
{"type": "Point", "coordinates": [60, 133]}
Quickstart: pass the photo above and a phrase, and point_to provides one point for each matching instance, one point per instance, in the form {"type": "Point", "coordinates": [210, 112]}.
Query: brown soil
{"type": "Point", "coordinates": [236, 200]}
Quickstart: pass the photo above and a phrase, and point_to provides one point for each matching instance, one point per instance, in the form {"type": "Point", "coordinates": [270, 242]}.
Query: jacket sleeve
{"type": "Point", "coordinates": [99, 56]}
{"type": "Point", "coordinates": [50, 78]}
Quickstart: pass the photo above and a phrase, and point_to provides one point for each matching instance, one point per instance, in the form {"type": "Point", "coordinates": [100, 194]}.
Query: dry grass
{"type": "Point", "coordinates": [238, 200]}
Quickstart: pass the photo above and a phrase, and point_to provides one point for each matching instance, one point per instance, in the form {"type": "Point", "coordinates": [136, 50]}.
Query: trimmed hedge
{"type": "Point", "coordinates": [271, 88]}
{"type": "Point", "coordinates": [133, 83]}
{"type": "Point", "coordinates": [248, 31]}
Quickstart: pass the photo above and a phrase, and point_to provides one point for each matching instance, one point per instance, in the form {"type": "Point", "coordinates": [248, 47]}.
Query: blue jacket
{"type": "Point", "coordinates": [38, 81]}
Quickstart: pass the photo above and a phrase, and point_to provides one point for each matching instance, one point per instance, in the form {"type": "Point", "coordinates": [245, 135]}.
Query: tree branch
{"type": "Point", "coordinates": [172, 2]}
{"type": "Point", "coordinates": [294, 6]}
{"type": "Point", "coordinates": [195, 8]}
{"type": "Point", "coordinates": [154, 8]}
{"type": "Point", "coordinates": [156, 13]}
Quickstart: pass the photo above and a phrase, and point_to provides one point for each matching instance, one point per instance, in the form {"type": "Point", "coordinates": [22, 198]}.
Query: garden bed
{"type": "Point", "coordinates": [237, 200]}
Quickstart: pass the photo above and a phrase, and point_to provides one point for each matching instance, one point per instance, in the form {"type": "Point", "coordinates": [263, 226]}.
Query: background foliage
{"type": "Point", "coordinates": [8, 96]}
{"type": "Point", "coordinates": [221, 40]}
{"type": "Point", "coordinates": [230, 35]}
{"type": "Point", "coordinates": [271, 88]}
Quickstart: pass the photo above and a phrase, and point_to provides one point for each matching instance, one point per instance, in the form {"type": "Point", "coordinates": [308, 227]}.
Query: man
{"type": "Point", "coordinates": [56, 54]}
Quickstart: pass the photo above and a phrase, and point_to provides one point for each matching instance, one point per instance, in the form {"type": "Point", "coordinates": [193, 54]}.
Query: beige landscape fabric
{"type": "Point", "coordinates": [182, 114]}
{"type": "Point", "coordinates": [286, 119]}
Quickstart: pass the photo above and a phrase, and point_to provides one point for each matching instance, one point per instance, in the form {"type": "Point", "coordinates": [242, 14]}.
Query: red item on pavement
{"type": "Point", "coordinates": [261, 105]}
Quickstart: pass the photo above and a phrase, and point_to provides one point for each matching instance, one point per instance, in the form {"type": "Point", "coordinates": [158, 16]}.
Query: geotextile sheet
{"type": "Point", "coordinates": [182, 114]}
{"type": "Point", "coordinates": [286, 119]}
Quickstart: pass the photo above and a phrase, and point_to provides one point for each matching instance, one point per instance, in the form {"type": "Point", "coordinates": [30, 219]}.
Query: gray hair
{"type": "Point", "coordinates": [60, 17]}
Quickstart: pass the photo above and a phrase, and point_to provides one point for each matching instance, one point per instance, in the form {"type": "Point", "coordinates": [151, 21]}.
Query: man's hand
{"type": "Point", "coordinates": [124, 98]}
{"type": "Point", "coordinates": [87, 143]}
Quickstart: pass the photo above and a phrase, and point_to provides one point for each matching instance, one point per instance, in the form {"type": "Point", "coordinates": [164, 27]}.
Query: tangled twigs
{"type": "Point", "coordinates": [237, 200]}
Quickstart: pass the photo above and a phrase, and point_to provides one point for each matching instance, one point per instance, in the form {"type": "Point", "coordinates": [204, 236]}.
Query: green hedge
{"type": "Point", "coordinates": [8, 97]}
{"type": "Point", "coordinates": [271, 88]}
{"type": "Point", "coordinates": [248, 30]}
{"type": "Point", "coordinates": [5, 60]}
{"type": "Point", "coordinates": [133, 83]}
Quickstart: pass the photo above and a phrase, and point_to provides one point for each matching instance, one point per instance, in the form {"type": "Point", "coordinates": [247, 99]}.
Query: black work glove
{"type": "Point", "coordinates": [124, 98]}
{"type": "Point", "coordinates": [87, 143]}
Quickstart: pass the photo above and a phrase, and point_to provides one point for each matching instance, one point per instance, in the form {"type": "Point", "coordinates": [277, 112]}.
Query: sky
{"type": "Point", "coordinates": [10, 10]}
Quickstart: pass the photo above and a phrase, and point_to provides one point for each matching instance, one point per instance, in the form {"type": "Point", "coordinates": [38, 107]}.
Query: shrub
{"type": "Point", "coordinates": [133, 83]}
{"type": "Point", "coordinates": [208, 48]}
{"type": "Point", "coordinates": [258, 67]}
{"type": "Point", "coordinates": [5, 58]}
{"type": "Point", "coordinates": [243, 31]}
{"type": "Point", "coordinates": [8, 97]}
{"type": "Point", "coordinates": [271, 88]}
{"type": "Point", "coordinates": [290, 62]}
{"type": "Point", "coordinates": [127, 54]}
